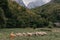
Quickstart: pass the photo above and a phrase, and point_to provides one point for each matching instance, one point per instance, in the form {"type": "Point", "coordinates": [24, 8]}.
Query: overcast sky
{"type": "Point", "coordinates": [28, 1]}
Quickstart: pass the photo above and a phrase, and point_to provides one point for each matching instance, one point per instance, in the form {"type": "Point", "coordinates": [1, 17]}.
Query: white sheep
{"type": "Point", "coordinates": [35, 33]}
{"type": "Point", "coordinates": [41, 33]}
{"type": "Point", "coordinates": [29, 34]}
{"type": "Point", "coordinates": [24, 34]}
{"type": "Point", "coordinates": [19, 34]}
{"type": "Point", "coordinates": [44, 33]}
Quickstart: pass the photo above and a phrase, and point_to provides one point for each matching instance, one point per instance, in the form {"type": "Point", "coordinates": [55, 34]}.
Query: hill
{"type": "Point", "coordinates": [32, 3]}
{"type": "Point", "coordinates": [17, 16]}
{"type": "Point", "coordinates": [50, 11]}
{"type": "Point", "coordinates": [13, 15]}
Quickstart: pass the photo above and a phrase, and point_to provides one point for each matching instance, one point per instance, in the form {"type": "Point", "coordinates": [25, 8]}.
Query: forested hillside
{"type": "Point", "coordinates": [16, 15]}
{"type": "Point", "coordinates": [50, 11]}
{"type": "Point", "coordinates": [12, 15]}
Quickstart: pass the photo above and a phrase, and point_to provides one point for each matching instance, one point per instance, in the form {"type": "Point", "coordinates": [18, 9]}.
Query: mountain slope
{"type": "Point", "coordinates": [56, 1]}
{"type": "Point", "coordinates": [50, 11]}
{"type": "Point", "coordinates": [35, 4]}
{"type": "Point", "coordinates": [13, 15]}
{"type": "Point", "coordinates": [18, 16]}
{"type": "Point", "coordinates": [32, 3]}
{"type": "Point", "coordinates": [20, 2]}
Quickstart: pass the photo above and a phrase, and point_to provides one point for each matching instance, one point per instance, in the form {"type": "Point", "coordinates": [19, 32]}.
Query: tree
{"type": "Point", "coordinates": [2, 19]}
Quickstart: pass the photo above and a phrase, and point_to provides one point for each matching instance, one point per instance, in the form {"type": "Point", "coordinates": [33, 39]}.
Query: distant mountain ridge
{"type": "Point", "coordinates": [56, 1]}
{"type": "Point", "coordinates": [32, 4]}
{"type": "Point", "coordinates": [20, 2]}
{"type": "Point", "coordinates": [35, 4]}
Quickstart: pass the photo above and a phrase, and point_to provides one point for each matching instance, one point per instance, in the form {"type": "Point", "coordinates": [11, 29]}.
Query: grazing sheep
{"type": "Point", "coordinates": [35, 33]}
{"type": "Point", "coordinates": [44, 33]}
{"type": "Point", "coordinates": [24, 34]}
{"type": "Point", "coordinates": [29, 34]}
{"type": "Point", "coordinates": [12, 35]}
{"type": "Point", "coordinates": [19, 34]}
{"type": "Point", "coordinates": [40, 33]}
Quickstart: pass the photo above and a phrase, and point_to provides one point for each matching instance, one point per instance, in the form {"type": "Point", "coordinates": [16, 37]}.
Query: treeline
{"type": "Point", "coordinates": [12, 15]}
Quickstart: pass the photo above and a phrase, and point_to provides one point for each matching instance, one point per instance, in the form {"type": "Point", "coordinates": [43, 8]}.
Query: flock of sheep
{"type": "Point", "coordinates": [13, 35]}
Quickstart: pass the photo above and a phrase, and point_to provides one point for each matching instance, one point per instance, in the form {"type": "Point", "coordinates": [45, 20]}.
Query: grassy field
{"type": "Point", "coordinates": [52, 34]}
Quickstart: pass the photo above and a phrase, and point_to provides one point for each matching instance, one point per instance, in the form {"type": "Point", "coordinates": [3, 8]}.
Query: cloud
{"type": "Point", "coordinates": [46, 1]}
{"type": "Point", "coordinates": [31, 3]}
{"type": "Point", "coordinates": [26, 2]}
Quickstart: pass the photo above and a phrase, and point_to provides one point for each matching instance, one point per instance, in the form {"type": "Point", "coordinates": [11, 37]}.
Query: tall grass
{"type": "Point", "coordinates": [4, 34]}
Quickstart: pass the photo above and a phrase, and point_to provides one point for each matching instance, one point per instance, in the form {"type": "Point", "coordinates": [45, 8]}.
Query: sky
{"type": "Point", "coordinates": [26, 2]}
{"type": "Point", "coordinates": [46, 1]}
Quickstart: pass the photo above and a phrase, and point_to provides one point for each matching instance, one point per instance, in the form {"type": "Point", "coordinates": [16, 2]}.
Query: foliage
{"type": "Point", "coordinates": [13, 15]}
{"type": "Point", "coordinates": [51, 12]}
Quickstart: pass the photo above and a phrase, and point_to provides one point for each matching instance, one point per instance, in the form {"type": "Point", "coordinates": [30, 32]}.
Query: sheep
{"type": "Point", "coordinates": [44, 33]}
{"type": "Point", "coordinates": [19, 34]}
{"type": "Point", "coordinates": [29, 34]}
{"type": "Point", "coordinates": [36, 34]}
{"type": "Point", "coordinates": [41, 33]}
{"type": "Point", "coordinates": [24, 34]}
{"type": "Point", "coordinates": [12, 35]}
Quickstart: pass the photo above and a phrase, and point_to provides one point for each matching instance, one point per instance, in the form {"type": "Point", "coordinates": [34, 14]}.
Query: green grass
{"type": "Point", "coordinates": [4, 34]}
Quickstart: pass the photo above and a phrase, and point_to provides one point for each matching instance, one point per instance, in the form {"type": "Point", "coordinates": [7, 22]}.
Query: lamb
{"type": "Point", "coordinates": [12, 35]}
